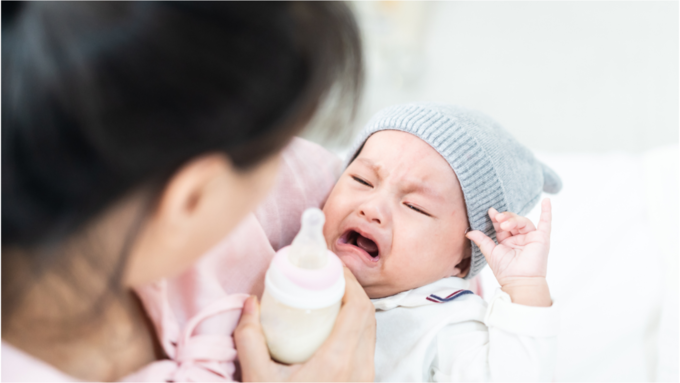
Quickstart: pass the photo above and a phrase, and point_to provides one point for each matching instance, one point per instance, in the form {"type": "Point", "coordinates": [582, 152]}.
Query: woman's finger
{"type": "Point", "coordinates": [347, 354]}
{"type": "Point", "coordinates": [253, 354]}
{"type": "Point", "coordinates": [356, 309]}
{"type": "Point", "coordinates": [365, 351]}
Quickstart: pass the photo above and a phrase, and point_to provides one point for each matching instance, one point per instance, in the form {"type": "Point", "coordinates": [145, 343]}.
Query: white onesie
{"type": "Point", "coordinates": [441, 332]}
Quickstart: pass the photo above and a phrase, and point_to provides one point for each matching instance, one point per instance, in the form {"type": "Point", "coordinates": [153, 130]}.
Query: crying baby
{"type": "Point", "coordinates": [433, 193]}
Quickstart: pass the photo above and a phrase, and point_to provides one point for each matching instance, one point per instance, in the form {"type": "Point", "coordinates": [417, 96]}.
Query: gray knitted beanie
{"type": "Point", "coordinates": [494, 170]}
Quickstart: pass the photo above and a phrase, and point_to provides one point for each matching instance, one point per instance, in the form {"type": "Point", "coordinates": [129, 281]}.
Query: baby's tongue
{"type": "Point", "coordinates": [366, 244]}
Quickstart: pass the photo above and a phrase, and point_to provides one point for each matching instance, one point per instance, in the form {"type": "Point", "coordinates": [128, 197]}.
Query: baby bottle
{"type": "Point", "coordinates": [303, 288]}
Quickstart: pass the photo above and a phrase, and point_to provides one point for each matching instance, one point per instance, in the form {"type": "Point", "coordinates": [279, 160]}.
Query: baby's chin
{"type": "Point", "coordinates": [368, 279]}
{"type": "Point", "coordinates": [382, 291]}
{"type": "Point", "coordinates": [363, 274]}
{"type": "Point", "coordinates": [356, 267]}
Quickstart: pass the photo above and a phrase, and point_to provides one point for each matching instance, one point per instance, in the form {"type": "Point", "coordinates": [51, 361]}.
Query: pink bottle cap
{"type": "Point", "coordinates": [310, 279]}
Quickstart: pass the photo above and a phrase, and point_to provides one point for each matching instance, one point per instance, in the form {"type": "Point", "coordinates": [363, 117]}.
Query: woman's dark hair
{"type": "Point", "coordinates": [100, 99]}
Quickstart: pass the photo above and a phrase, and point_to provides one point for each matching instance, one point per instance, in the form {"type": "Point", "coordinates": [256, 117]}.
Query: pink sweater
{"type": "Point", "coordinates": [196, 313]}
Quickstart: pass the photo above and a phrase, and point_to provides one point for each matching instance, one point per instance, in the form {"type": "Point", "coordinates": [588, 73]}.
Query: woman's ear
{"type": "Point", "coordinates": [189, 188]}
{"type": "Point", "coordinates": [201, 203]}
{"type": "Point", "coordinates": [184, 221]}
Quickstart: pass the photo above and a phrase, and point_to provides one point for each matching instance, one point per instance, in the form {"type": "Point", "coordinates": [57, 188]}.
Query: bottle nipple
{"type": "Point", "coordinates": [309, 250]}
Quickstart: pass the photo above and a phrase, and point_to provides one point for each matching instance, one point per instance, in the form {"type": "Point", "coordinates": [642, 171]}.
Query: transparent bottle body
{"type": "Point", "coordinates": [293, 335]}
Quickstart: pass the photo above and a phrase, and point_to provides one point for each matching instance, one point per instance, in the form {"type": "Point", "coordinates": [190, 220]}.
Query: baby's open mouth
{"type": "Point", "coordinates": [351, 237]}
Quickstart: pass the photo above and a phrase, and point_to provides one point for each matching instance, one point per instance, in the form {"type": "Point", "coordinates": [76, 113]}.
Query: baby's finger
{"type": "Point", "coordinates": [501, 217]}
{"type": "Point", "coordinates": [545, 223]}
{"type": "Point", "coordinates": [501, 220]}
{"type": "Point", "coordinates": [501, 235]}
{"type": "Point", "coordinates": [517, 224]}
{"type": "Point", "coordinates": [485, 244]}
{"type": "Point", "coordinates": [493, 213]}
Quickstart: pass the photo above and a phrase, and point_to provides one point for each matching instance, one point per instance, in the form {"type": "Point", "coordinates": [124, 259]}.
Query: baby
{"type": "Point", "coordinates": [415, 216]}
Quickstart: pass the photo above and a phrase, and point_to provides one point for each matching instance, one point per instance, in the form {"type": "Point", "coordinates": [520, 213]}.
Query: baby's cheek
{"type": "Point", "coordinates": [424, 259]}
{"type": "Point", "coordinates": [330, 211]}
{"type": "Point", "coordinates": [336, 202]}
{"type": "Point", "coordinates": [405, 264]}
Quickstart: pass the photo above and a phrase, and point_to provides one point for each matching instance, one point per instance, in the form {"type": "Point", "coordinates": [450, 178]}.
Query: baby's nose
{"type": "Point", "coordinates": [371, 213]}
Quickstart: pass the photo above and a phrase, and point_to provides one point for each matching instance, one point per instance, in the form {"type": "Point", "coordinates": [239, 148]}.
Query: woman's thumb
{"type": "Point", "coordinates": [250, 341]}
{"type": "Point", "coordinates": [485, 244]}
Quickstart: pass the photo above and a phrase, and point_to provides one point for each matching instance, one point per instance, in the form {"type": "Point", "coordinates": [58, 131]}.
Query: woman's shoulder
{"type": "Point", "coordinates": [306, 177]}
{"type": "Point", "coordinates": [307, 169]}
{"type": "Point", "coordinates": [309, 156]}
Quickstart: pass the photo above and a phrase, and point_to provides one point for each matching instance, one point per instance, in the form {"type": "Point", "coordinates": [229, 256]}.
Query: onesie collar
{"type": "Point", "coordinates": [441, 291]}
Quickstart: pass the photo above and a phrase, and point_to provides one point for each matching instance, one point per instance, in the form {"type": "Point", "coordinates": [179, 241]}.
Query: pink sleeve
{"type": "Point", "coordinates": [18, 366]}
{"type": "Point", "coordinates": [308, 173]}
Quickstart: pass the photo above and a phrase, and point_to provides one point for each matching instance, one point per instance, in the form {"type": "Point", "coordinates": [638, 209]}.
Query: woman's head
{"type": "Point", "coordinates": [134, 118]}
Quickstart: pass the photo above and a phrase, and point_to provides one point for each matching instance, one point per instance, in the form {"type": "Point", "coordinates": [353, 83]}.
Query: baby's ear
{"type": "Point", "coordinates": [463, 267]}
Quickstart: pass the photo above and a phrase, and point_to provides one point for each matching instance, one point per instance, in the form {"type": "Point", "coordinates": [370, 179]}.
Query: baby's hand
{"type": "Point", "coordinates": [520, 259]}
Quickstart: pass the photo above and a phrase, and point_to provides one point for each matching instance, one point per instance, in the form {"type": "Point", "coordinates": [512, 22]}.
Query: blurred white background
{"type": "Point", "coordinates": [592, 89]}
{"type": "Point", "coordinates": [560, 76]}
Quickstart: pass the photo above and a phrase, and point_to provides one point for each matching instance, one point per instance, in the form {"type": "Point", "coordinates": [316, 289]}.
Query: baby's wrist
{"type": "Point", "coordinates": [529, 291]}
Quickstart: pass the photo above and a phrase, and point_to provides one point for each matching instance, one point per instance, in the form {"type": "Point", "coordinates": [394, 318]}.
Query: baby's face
{"type": "Point", "coordinates": [397, 217]}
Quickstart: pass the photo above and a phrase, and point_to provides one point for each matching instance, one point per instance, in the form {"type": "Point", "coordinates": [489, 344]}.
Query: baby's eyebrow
{"type": "Point", "coordinates": [409, 186]}
{"type": "Point", "coordinates": [369, 163]}
{"type": "Point", "coordinates": [418, 186]}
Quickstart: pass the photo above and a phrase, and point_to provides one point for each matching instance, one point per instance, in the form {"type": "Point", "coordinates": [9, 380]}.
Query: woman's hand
{"type": "Point", "coordinates": [520, 260]}
{"type": "Point", "coordinates": [347, 354]}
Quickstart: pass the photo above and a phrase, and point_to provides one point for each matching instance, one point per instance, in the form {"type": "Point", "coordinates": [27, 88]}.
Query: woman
{"type": "Point", "coordinates": [134, 137]}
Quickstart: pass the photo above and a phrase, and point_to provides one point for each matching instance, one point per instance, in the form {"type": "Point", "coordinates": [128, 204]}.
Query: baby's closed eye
{"type": "Point", "coordinates": [359, 180]}
{"type": "Point", "coordinates": [415, 209]}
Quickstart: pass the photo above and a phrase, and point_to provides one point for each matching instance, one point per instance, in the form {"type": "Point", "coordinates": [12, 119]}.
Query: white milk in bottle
{"type": "Point", "coordinates": [303, 289]}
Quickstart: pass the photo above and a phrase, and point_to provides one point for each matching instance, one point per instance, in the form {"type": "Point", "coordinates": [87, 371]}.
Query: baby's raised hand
{"type": "Point", "coordinates": [520, 259]}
